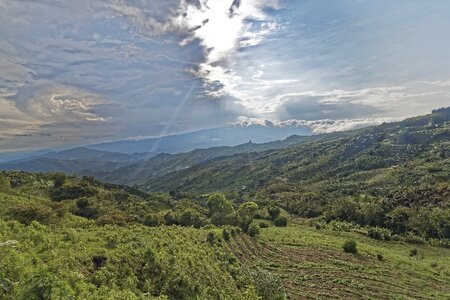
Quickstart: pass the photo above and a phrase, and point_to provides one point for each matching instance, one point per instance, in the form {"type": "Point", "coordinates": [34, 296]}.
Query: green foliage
{"type": "Point", "coordinates": [226, 234]}
{"type": "Point", "coordinates": [245, 214]}
{"type": "Point", "coordinates": [44, 284]}
{"type": "Point", "coordinates": [219, 208]}
{"type": "Point", "coordinates": [268, 285]}
{"type": "Point", "coordinates": [273, 212]}
{"type": "Point", "coordinates": [380, 257]}
{"type": "Point", "coordinates": [115, 218]}
{"type": "Point", "coordinates": [212, 238]}
{"type": "Point", "coordinates": [253, 230]}
{"type": "Point", "coordinates": [218, 204]}
{"type": "Point", "coordinates": [393, 176]}
{"type": "Point", "coordinates": [153, 219]}
{"type": "Point", "coordinates": [27, 213]}
{"type": "Point", "coordinates": [350, 247]}
{"type": "Point", "coordinates": [281, 221]}
{"type": "Point", "coordinates": [81, 260]}
{"type": "Point", "coordinates": [379, 233]}
{"type": "Point", "coordinates": [5, 185]}
{"type": "Point", "coordinates": [191, 217]}
{"type": "Point", "coordinates": [263, 225]}
{"type": "Point", "coordinates": [59, 179]}
{"type": "Point", "coordinates": [68, 192]}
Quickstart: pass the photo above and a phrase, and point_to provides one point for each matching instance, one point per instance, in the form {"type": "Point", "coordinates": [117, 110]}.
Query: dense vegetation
{"type": "Point", "coordinates": [394, 176]}
{"type": "Point", "coordinates": [337, 215]}
{"type": "Point", "coordinates": [63, 238]}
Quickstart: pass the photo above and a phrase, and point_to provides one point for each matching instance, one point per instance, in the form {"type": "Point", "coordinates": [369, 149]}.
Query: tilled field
{"type": "Point", "coordinates": [309, 271]}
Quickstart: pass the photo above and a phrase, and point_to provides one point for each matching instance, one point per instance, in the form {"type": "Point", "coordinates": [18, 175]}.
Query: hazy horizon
{"type": "Point", "coordinates": [77, 73]}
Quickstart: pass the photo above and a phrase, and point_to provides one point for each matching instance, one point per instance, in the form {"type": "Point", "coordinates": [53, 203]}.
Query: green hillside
{"type": "Point", "coordinates": [393, 176]}
{"type": "Point", "coordinates": [356, 215]}
{"type": "Point", "coordinates": [91, 244]}
{"type": "Point", "coordinates": [312, 264]}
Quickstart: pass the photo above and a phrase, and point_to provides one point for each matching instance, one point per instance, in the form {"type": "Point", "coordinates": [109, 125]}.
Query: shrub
{"type": "Point", "coordinates": [170, 218]}
{"type": "Point", "coordinates": [380, 257]}
{"type": "Point", "coordinates": [87, 212]}
{"type": "Point", "coordinates": [153, 220]}
{"type": "Point", "coordinates": [226, 234]}
{"type": "Point", "coordinates": [319, 224]}
{"type": "Point", "coordinates": [413, 252]}
{"type": "Point", "coordinates": [44, 284]}
{"type": "Point", "coordinates": [263, 225]}
{"type": "Point", "coordinates": [350, 247]}
{"type": "Point", "coordinates": [211, 238]}
{"type": "Point", "coordinates": [342, 226]}
{"type": "Point", "coordinates": [115, 218]}
{"type": "Point", "coordinates": [83, 202]}
{"type": "Point", "coordinates": [72, 192]}
{"type": "Point", "coordinates": [59, 179]}
{"type": "Point", "coordinates": [253, 230]}
{"type": "Point", "coordinates": [281, 221]}
{"type": "Point", "coordinates": [412, 238]}
{"type": "Point", "coordinates": [191, 217]}
{"type": "Point", "coordinates": [273, 211]}
{"type": "Point", "coordinates": [268, 285]}
{"type": "Point", "coordinates": [28, 213]}
{"type": "Point", "coordinates": [379, 233]}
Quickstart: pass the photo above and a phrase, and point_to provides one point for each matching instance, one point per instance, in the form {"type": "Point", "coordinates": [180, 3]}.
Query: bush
{"type": "Point", "coordinates": [153, 220]}
{"type": "Point", "coordinates": [83, 202]}
{"type": "Point", "coordinates": [281, 221]}
{"type": "Point", "coordinates": [342, 226]}
{"type": "Point", "coordinates": [350, 247]}
{"type": "Point", "coordinates": [273, 211]}
{"type": "Point", "coordinates": [191, 217]}
{"type": "Point", "coordinates": [253, 230]}
{"type": "Point", "coordinates": [379, 233]}
{"type": "Point", "coordinates": [226, 234]}
{"type": "Point", "coordinates": [380, 257]}
{"type": "Point", "coordinates": [59, 179]}
{"type": "Point", "coordinates": [211, 238]}
{"type": "Point", "coordinates": [268, 285]}
{"type": "Point", "coordinates": [412, 238]}
{"type": "Point", "coordinates": [72, 192]}
{"type": "Point", "coordinates": [28, 213]}
{"type": "Point", "coordinates": [115, 218]}
{"type": "Point", "coordinates": [263, 225]}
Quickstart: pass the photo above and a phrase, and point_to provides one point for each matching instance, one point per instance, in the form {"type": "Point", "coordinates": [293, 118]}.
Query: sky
{"type": "Point", "coordinates": [86, 71]}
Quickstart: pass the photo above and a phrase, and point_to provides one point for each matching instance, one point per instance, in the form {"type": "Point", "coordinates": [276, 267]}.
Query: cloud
{"type": "Point", "coordinates": [317, 126]}
{"type": "Point", "coordinates": [440, 83]}
{"type": "Point", "coordinates": [56, 115]}
{"type": "Point", "coordinates": [222, 28]}
{"type": "Point", "coordinates": [391, 102]}
{"type": "Point", "coordinates": [109, 69]}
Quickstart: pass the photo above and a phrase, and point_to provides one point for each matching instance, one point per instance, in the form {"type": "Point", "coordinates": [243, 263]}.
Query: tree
{"type": "Point", "coordinates": [398, 219]}
{"type": "Point", "coordinates": [281, 221]}
{"type": "Point", "coordinates": [218, 208]}
{"type": "Point", "coordinates": [153, 219]}
{"type": "Point", "coordinates": [253, 230]}
{"type": "Point", "coordinates": [273, 211]}
{"type": "Point", "coordinates": [191, 217]}
{"type": "Point", "coordinates": [59, 179]}
{"type": "Point", "coordinates": [246, 213]}
{"type": "Point", "coordinates": [218, 203]}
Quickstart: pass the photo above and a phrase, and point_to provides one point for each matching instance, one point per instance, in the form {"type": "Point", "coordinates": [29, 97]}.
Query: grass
{"type": "Point", "coordinates": [313, 265]}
